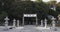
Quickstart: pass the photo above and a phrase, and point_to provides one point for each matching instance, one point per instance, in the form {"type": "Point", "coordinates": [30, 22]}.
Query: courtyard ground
{"type": "Point", "coordinates": [28, 28]}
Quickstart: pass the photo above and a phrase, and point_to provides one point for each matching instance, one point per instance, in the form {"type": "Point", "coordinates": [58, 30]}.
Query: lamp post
{"type": "Point", "coordinates": [6, 22]}
{"type": "Point", "coordinates": [14, 23]}
{"type": "Point", "coordinates": [53, 23]}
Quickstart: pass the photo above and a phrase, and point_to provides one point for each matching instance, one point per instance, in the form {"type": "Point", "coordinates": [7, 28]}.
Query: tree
{"type": "Point", "coordinates": [16, 9]}
{"type": "Point", "coordinates": [2, 16]}
{"type": "Point", "coordinates": [38, 1]}
{"type": "Point", "coordinates": [58, 7]}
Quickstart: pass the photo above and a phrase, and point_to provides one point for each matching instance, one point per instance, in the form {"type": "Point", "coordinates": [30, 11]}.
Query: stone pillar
{"type": "Point", "coordinates": [23, 21]}
{"type": "Point", "coordinates": [36, 21]}
{"type": "Point", "coordinates": [6, 22]}
{"type": "Point", "coordinates": [46, 23]}
{"type": "Point", "coordinates": [17, 23]}
{"type": "Point", "coordinates": [14, 23]}
{"type": "Point", "coordinates": [41, 23]}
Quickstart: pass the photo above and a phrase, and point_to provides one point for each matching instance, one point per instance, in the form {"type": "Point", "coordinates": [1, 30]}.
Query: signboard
{"type": "Point", "coordinates": [30, 15]}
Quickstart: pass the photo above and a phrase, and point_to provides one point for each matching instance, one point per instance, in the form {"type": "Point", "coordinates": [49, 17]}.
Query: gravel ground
{"type": "Point", "coordinates": [27, 28]}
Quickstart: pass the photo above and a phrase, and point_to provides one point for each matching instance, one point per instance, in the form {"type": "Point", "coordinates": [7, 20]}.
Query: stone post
{"type": "Point", "coordinates": [46, 23]}
{"type": "Point", "coordinates": [41, 23]}
{"type": "Point", "coordinates": [17, 23]}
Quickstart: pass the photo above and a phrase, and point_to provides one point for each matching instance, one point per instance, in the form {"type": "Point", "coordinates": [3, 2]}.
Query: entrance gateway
{"type": "Point", "coordinates": [30, 15]}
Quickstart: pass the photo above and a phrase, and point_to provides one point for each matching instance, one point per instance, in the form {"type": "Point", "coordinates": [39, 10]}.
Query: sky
{"type": "Point", "coordinates": [47, 0]}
